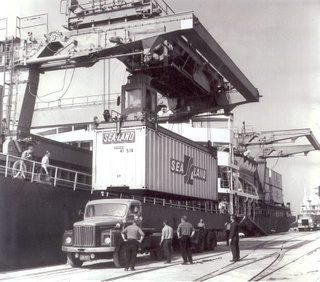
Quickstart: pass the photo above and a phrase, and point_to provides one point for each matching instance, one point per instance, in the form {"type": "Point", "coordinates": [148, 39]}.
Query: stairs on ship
{"type": "Point", "coordinates": [250, 228]}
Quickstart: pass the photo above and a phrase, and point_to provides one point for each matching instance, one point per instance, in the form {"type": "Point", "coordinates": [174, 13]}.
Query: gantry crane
{"type": "Point", "coordinates": [182, 60]}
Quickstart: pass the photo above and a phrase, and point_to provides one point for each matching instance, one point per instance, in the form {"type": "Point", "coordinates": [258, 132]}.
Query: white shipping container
{"type": "Point", "coordinates": [276, 195]}
{"type": "Point", "coordinates": [161, 161]}
{"type": "Point", "coordinates": [274, 182]}
{"type": "Point", "coordinates": [275, 179]}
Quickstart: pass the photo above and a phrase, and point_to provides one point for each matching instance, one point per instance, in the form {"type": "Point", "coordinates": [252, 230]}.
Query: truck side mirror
{"type": "Point", "coordinates": [80, 212]}
{"type": "Point", "coordinates": [118, 100]}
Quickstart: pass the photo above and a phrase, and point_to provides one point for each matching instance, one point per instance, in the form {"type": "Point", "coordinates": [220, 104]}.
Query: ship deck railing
{"type": "Point", "coordinates": [29, 170]}
{"type": "Point", "coordinates": [208, 206]}
{"type": "Point", "coordinates": [99, 6]}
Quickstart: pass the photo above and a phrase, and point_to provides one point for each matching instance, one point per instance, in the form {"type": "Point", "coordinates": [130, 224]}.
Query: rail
{"type": "Point", "coordinates": [203, 206]}
{"type": "Point", "coordinates": [68, 7]}
{"type": "Point", "coordinates": [76, 101]}
{"type": "Point", "coordinates": [245, 186]}
{"type": "Point", "coordinates": [16, 167]}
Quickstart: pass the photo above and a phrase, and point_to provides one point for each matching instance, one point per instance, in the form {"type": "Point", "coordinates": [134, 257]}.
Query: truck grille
{"type": "Point", "coordinates": [305, 222]}
{"type": "Point", "coordinates": [84, 236]}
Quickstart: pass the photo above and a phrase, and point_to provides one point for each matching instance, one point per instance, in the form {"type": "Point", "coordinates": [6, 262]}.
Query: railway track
{"type": "Point", "coordinates": [271, 261]}
{"type": "Point", "coordinates": [196, 261]}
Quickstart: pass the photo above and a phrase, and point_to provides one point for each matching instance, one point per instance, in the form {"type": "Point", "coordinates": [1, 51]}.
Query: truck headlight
{"type": "Point", "coordinates": [107, 240]}
{"type": "Point", "coordinates": [68, 240]}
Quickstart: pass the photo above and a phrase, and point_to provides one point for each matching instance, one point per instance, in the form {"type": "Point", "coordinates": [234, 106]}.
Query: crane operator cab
{"type": "Point", "coordinates": [138, 99]}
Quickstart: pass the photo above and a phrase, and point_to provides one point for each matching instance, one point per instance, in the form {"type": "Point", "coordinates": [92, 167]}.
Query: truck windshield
{"type": "Point", "coordinates": [109, 209]}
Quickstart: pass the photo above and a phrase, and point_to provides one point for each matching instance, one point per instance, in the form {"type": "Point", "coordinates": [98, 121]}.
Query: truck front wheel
{"type": "Point", "coordinates": [119, 256]}
{"type": "Point", "coordinates": [74, 262]}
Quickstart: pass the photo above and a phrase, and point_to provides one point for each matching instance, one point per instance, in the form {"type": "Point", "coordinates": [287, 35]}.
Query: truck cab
{"type": "Point", "coordinates": [98, 235]}
{"type": "Point", "coordinates": [308, 221]}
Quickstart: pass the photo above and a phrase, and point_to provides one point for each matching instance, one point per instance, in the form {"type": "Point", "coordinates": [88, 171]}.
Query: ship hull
{"type": "Point", "coordinates": [33, 218]}
{"type": "Point", "coordinates": [274, 224]}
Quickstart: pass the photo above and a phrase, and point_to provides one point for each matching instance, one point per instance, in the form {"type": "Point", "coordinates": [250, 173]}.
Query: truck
{"type": "Point", "coordinates": [98, 236]}
{"type": "Point", "coordinates": [136, 162]}
{"type": "Point", "coordinates": [308, 222]}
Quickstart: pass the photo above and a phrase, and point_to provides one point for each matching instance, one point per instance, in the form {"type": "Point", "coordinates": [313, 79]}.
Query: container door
{"type": "Point", "coordinates": [119, 159]}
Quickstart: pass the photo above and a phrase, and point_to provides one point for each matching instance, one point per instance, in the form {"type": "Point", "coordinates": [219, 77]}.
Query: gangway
{"type": "Point", "coordinates": [249, 227]}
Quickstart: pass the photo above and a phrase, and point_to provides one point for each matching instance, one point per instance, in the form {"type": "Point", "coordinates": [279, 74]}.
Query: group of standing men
{"type": "Point", "coordinates": [133, 235]}
{"type": "Point", "coordinates": [185, 231]}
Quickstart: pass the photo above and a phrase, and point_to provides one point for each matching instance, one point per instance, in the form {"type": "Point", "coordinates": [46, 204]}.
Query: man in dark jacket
{"type": "Point", "coordinates": [234, 236]}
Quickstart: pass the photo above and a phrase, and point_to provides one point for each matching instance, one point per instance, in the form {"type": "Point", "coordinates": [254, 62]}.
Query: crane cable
{"type": "Point", "coordinates": [34, 95]}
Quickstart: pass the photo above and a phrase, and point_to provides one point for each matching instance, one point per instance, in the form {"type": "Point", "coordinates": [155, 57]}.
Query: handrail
{"type": "Point", "coordinates": [30, 170]}
{"type": "Point", "coordinates": [75, 101]}
{"type": "Point", "coordinates": [187, 205]}
{"type": "Point", "coordinates": [107, 5]}
{"type": "Point", "coordinates": [167, 7]}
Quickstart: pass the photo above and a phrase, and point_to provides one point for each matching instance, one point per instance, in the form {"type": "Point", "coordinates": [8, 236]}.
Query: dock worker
{"type": "Point", "coordinates": [96, 122]}
{"type": "Point", "coordinates": [45, 163]}
{"type": "Point", "coordinates": [185, 231]}
{"type": "Point", "coordinates": [201, 224]}
{"type": "Point", "coordinates": [223, 206]}
{"type": "Point", "coordinates": [227, 226]}
{"type": "Point", "coordinates": [202, 233]}
{"type": "Point", "coordinates": [166, 240]}
{"type": "Point", "coordinates": [234, 236]}
{"type": "Point", "coordinates": [132, 235]}
{"type": "Point", "coordinates": [27, 154]}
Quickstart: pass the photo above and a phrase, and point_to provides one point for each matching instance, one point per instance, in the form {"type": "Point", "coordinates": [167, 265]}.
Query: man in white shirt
{"type": "Point", "coordinates": [166, 239]}
{"type": "Point", "coordinates": [45, 162]}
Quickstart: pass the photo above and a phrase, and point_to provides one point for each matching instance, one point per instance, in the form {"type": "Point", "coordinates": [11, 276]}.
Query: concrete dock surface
{"type": "Point", "coordinates": [293, 256]}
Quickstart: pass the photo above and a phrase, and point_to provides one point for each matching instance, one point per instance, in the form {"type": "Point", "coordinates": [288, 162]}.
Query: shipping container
{"type": "Point", "coordinates": [154, 159]}
{"type": "Point", "coordinates": [274, 181]}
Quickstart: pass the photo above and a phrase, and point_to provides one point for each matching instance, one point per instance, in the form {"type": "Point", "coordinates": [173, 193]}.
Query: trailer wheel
{"type": "Point", "coordinates": [211, 241]}
{"type": "Point", "coordinates": [201, 245]}
{"type": "Point", "coordinates": [200, 242]}
{"type": "Point", "coordinates": [153, 255]}
{"type": "Point", "coordinates": [119, 256]}
{"type": "Point", "coordinates": [74, 262]}
{"type": "Point", "coordinates": [160, 254]}
{"type": "Point", "coordinates": [157, 254]}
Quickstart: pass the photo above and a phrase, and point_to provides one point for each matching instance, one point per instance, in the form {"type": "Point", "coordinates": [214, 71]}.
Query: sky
{"type": "Point", "coordinates": [275, 43]}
